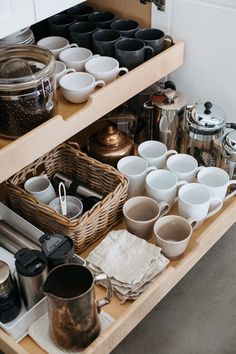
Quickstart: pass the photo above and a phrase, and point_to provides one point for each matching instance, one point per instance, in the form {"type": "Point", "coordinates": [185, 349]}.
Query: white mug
{"type": "Point", "coordinates": [104, 68]}
{"type": "Point", "coordinates": [163, 185]}
{"type": "Point", "coordinates": [141, 213]}
{"type": "Point", "coordinates": [136, 169]}
{"type": "Point", "coordinates": [217, 181]}
{"type": "Point", "coordinates": [76, 87]}
{"type": "Point", "coordinates": [184, 166]}
{"type": "Point", "coordinates": [172, 234]}
{"type": "Point", "coordinates": [155, 153]}
{"type": "Point", "coordinates": [195, 202]}
{"type": "Point", "coordinates": [55, 44]}
{"type": "Point", "coordinates": [61, 70]}
{"type": "Point", "coordinates": [40, 188]}
{"type": "Point", "coordinates": [76, 57]}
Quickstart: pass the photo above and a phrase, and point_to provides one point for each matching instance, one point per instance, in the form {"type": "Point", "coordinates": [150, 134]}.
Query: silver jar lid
{"type": "Point", "coordinates": [170, 100]}
{"type": "Point", "coordinates": [229, 143]}
{"type": "Point", "coordinates": [5, 278]}
{"type": "Point", "coordinates": [206, 118]}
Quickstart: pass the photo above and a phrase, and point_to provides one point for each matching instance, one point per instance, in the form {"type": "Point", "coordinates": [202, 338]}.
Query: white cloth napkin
{"type": "Point", "coordinates": [39, 332]}
{"type": "Point", "coordinates": [129, 261]}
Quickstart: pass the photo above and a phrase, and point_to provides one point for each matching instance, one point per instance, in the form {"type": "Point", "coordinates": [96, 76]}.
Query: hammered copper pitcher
{"type": "Point", "coordinates": [72, 308]}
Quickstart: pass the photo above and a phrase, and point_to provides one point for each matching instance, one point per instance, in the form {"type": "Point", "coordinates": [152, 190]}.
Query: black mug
{"type": "Point", "coordinates": [80, 12]}
{"type": "Point", "coordinates": [127, 28]}
{"type": "Point", "coordinates": [154, 38]}
{"type": "Point", "coordinates": [59, 24]}
{"type": "Point", "coordinates": [81, 33]}
{"type": "Point", "coordinates": [132, 52]}
{"type": "Point", "coordinates": [103, 19]}
{"type": "Point", "coordinates": [104, 42]}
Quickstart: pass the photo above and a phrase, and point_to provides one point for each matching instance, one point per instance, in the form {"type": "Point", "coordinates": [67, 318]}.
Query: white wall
{"type": "Point", "coordinates": [208, 28]}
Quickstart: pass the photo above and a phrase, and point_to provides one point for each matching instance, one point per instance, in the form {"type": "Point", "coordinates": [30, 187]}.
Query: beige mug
{"type": "Point", "coordinates": [173, 233]}
{"type": "Point", "coordinates": [141, 213]}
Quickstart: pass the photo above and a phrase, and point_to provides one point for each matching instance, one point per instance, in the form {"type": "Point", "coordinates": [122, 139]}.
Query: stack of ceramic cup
{"type": "Point", "coordinates": [130, 262]}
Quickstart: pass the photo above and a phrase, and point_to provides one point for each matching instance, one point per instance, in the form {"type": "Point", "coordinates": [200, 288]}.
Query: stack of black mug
{"type": "Point", "coordinates": [105, 35]}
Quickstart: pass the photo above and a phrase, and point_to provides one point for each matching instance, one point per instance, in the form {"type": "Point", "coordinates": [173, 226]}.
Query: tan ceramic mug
{"type": "Point", "coordinates": [172, 234]}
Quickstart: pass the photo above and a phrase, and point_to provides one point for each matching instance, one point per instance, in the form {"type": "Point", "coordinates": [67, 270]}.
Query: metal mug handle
{"type": "Point", "coordinates": [103, 278]}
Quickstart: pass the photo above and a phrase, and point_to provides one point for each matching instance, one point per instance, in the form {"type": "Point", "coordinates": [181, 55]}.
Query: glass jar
{"type": "Point", "coordinates": [27, 99]}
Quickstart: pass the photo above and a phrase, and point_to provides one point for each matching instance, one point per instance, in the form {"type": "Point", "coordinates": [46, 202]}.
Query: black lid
{"type": "Point", "coordinates": [57, 248]}
{"type": "Point", "coordinates": [30, 263]}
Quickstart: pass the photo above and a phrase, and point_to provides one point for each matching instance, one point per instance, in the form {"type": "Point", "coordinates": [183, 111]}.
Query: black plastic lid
{"type": "Point", "coordinates": [30, 263]}
{"type": "Point", "coordinates": [57, 248]}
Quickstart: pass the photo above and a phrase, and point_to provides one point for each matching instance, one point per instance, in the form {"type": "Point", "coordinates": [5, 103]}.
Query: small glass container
{"type": "Point", "coordinates": [27, 98]}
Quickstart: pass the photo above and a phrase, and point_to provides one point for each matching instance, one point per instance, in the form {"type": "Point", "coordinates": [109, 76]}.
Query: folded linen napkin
{"type": "Point", "coordinates": [130, 262]}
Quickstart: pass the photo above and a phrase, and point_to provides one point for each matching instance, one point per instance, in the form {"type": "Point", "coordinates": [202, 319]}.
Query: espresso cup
{"type": "Point", "coordinates": [81, 33]}
{"type": "Point", "coordinates": [184, 166]}
{"type": "Point", "coordinates": [155, 153]}
{"type": "Point", "coordinates": [140, 215]}
{"type": "Point", "coordinates": [131, 52]}
{"type": "Point", "coordinates": [74, 206]}
{"type": "Point", "coordinates": [80, 12]}
{"type": "Point", "coordinates": [104, 68]}
{"type": "Point", "coordinates": [55, 44]}
{"type": "Point", "coordinates": [76, 57]}
{"type": "Point", "coordinates": [59, 24]}
{"type": "Point", "coordinates": [127, 28]}
{"type": "Point", "coordinates": [136, 169]}
{"type": "Point", "coordinates": [172, 234]}
{"type": "Point", "coordinates": [104, 42]}
{"type": "Point", "coordinates": [61, 70]}
{"type": "Point", "coordinates": [195, 202]}
{"type": "Point", "coordinates": [103, 19]}
{"type": "Point", "coordinates": [163, 185]}
{"type": "Point", "coordinates": [76, 87]}
{"type": "Point", "coordinates": [154, 38]}
{"type": "Point", "coordinates": [40, 188]}
{"type": "Point", "coordinates": [217, 182]}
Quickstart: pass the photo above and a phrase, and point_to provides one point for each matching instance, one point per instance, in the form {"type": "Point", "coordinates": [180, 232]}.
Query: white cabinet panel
{"type": "Point", "coordinates": [15, 15]}
{"type": "Point", "coordinates": [47, 8]}
{"type": "Point", "coordinates": [208, 29]}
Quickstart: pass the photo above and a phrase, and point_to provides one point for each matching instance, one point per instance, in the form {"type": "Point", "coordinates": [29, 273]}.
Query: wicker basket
{"type": "Point", "coordinates": [92, 224]}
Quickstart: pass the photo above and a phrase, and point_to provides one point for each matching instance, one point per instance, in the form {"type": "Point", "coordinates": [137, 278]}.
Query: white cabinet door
{"type": "Point", "coordinates": [47, 8]}
{"type": "Point", "coordinates": [208, 28]}
{"type": "Point", "coordinates": [15, 15]}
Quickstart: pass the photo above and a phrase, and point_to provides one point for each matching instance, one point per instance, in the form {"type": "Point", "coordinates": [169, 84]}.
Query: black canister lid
{"type": "Point", "coordinates": [57, 248]}
{"type": "Point", "coordinates": [30, 263]}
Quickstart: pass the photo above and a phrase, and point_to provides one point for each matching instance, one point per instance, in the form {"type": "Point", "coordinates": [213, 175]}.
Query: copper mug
{"type": "Point", "coordinates": [72, 307]}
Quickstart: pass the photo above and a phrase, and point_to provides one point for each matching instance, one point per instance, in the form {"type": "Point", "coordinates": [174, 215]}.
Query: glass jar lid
{"type": "Point", "coordinates": [169, 100]}
{"type": "Point", "coordinates": [205, 118]}
{"type": "Point", "coordinates": [40, 60]}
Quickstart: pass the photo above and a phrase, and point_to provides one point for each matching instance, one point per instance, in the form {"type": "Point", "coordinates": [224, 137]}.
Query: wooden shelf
{"type": "Point", "coordinates": [127, 316]}
{"type": "Point", "coordinates": [72, 118]}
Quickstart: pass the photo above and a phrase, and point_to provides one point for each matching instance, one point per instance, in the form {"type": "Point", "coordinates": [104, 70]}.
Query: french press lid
{"type": "Point", "coordinates": [206, 118]}
{"type": "Point", "coordinates": [169, 99]}
{"type": "Point", "coordinates": [229, 143]}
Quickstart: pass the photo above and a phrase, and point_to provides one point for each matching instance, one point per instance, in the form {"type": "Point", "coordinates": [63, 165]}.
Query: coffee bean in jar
{"type": "Point", "coordinates": [27, 89]}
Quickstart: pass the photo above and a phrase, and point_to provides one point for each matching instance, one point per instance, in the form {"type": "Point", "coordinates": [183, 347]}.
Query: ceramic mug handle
{"type": "Point", "coordinates": [103, 278]}
{"type": "Point", "coordinates": [149, 52]}
{"type": "Point", "coordinates": [151, 168]}
{"type": "Point", "coordinates": [72, 45]}
{"type": "Point", "coordinates": [231, 182]}
{"type": "Point", "coordinates": [193, 223]}
{"type": "Point", "coordinates": [179, 185]}
{"type": "Point", "coordinates": [125, 70]}
{"type": "Point", "coordinates": [171, 152]}
{"type": "Point", "coordinates": [164, 208]}
{"type": "Point", "coordinates": [69, 70]}
{"type": "Point", "coordinates": [100, 83]}
{"type": "Point", "coordinates": [169, 39]}
{"type": "Point", "coordinates": [217, 208]}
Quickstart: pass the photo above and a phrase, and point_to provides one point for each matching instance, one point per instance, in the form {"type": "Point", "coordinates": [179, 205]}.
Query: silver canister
{"type": "Point", "coordinates": [228, 153]}
{"type": "Point", "coordinates": [31, 267]}
{"type": "Point", "coordinates": [167, 108]}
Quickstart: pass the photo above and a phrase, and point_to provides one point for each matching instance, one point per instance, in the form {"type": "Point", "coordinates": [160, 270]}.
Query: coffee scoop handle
{"type": "Point", "coordinates": [102, 278]}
